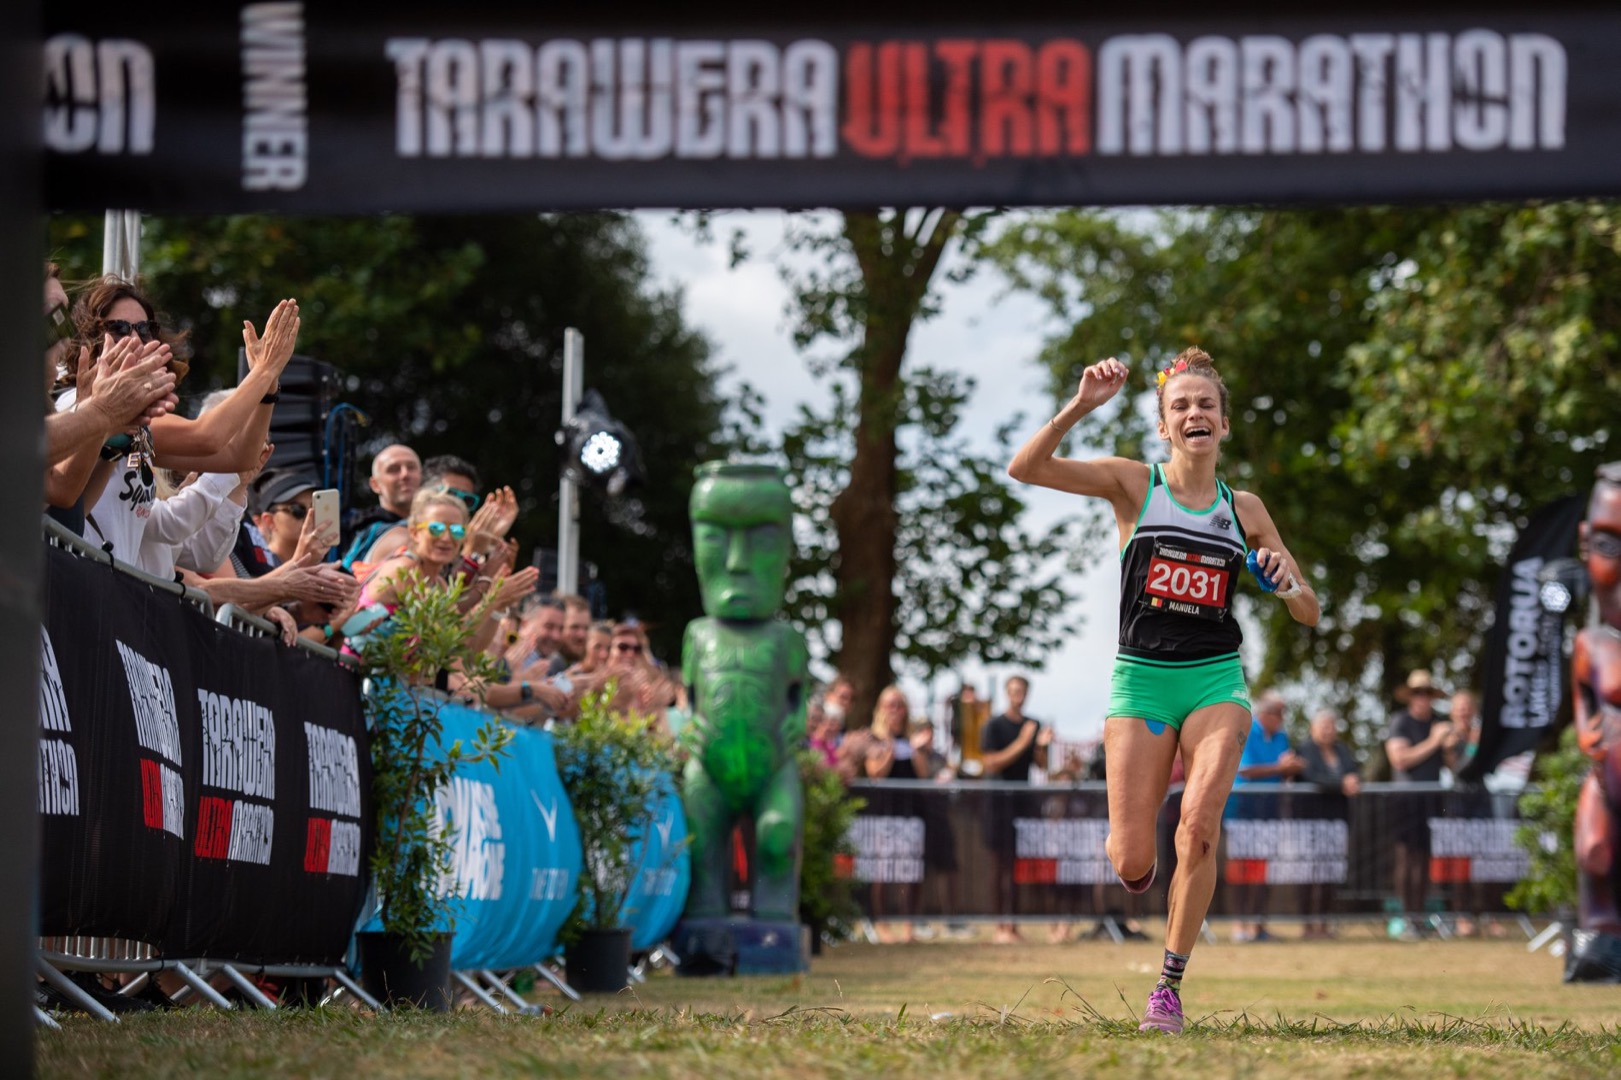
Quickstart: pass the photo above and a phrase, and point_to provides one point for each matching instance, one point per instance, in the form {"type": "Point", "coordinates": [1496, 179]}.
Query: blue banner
{"type": "Point", "coordinates": [515, 870]}
{"type": "Point", "coordinates": [658, 892]}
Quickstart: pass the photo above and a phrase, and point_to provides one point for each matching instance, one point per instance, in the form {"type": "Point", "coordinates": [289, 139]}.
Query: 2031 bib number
{"type": "Point", "coordinates": [1189, 582]}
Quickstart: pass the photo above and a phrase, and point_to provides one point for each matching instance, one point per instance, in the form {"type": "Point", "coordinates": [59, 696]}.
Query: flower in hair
{"type": "Point", "coordinates": [1175, 369]}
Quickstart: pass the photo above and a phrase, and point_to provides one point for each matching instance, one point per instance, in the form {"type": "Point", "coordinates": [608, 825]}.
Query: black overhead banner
{"type": "Point", "coordinates": [211, 107]}
{"type": "Point", "coordinates": [200, 790]}
{"type": "Point", "coordinates": [1526, 669]}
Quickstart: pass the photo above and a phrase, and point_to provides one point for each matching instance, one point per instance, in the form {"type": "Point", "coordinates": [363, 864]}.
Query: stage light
{"type": "Point", "coordinates": [598, 451]}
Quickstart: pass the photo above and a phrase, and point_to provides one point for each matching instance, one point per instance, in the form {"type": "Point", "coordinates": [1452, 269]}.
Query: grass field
{"type": "Point", "coordinates": [1353, 1007]}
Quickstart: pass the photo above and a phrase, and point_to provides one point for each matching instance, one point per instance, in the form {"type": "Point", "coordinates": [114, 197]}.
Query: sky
{"type": "Point", "coordinates": [982, 331]}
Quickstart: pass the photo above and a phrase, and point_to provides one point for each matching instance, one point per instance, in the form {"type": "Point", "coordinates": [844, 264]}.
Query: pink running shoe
{"type": "Point", "coordinates": [1164, 1012]}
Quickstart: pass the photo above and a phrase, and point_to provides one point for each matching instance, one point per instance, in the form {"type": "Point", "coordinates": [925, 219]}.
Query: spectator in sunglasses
{"type": "Point", "coordinates": [438, 525]}
{"type": "Point", "coordinates": [490, 518]}
{"type": "Point", "coordinates": [114, 314]}
{"type": "Point", "coordinates": [124, 388]}
{"type": "Point", "coordinates": [628, 648]}
{"type": "Point", "coordinates": [281, 505]}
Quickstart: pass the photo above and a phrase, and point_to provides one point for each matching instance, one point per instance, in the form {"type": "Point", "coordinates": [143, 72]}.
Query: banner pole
{"type": "Point", "coordinates": [568, 500]}
{"type": "Point", "coordinates": [121, 243]}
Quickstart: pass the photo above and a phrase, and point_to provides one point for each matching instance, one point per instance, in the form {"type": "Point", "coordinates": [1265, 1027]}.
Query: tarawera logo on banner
{"type": "Point", "coordinates": [239, 756]}
{"type": "Point", "coordinates": [468, 809]}
{"type": "Point", "coordinates": [888, 849]}
{"type": "Point", "coordinates": [332, 844]}
{"type": "Point", "coordinates": [1286, 852]}
{"type": "Point", "coordinates": [976, 100]}
{"type": "Point", "coordinates": [1476, 849]}
{"type": "Point", "coordinates": [1061, 852]}
{"type": "Point", "coordinates": [157, 729]}
{"type": "Point", "coordinates": [58, 764]}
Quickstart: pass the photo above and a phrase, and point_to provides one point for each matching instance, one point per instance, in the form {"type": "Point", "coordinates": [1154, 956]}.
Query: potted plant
{"type": "Point", "coordinates": [409, 960]}
{"type": "Point", "coordinates": [826, 901]}
{"type": "Point", "coordinates": [612, 767]}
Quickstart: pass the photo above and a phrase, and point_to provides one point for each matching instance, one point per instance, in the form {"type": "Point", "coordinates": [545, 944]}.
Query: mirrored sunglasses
{"type": "Point", "coordinates": [469, 499]}
{"type": "Point", "coordinates": [437, 530]}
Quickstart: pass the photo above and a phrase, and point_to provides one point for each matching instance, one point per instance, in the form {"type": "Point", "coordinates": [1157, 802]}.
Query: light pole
{"type": "Point", "coordinates": [568, 495]}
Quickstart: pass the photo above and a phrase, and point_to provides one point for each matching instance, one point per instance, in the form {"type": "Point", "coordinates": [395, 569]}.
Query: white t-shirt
{"type": "Point", "coordinates": [118, 519]}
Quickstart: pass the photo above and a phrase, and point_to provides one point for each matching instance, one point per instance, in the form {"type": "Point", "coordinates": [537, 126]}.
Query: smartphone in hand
{"type": "Point", "coordinates": [324, 505]}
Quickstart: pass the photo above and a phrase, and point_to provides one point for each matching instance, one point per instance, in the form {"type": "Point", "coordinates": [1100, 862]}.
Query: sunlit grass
{"type": "Point", "coordinates": [1349, 1008]}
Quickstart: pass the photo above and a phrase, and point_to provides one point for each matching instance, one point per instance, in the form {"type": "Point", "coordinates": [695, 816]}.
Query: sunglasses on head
{"type": "Point", "coordinates": [147, 329]}
{"type": "Point", "coordinates": [469, 499]}
{"type": "Point", "coordinates": [298, 511]}
{"type": "Point", "coordinates": [58, 327]}
{"type": "Point", "coordinates": [437, 530]}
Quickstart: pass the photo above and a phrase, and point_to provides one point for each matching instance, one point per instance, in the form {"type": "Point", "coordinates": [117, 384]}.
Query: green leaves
{"type": "Point", "coordinates": [826, 901]}
{"type": "Point", "coordinates": [410, 764]}
{"type": "Point", "coordinates": [970, 581]}
{"type": "Point", "coordinates": [1407, 385]}
{"type": "Point", "coordinates": [612, 768]}
{"type": "Point", "coordinates": [1548, 831]}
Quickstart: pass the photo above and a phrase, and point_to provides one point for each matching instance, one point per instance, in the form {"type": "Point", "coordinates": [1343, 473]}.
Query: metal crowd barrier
{"type": "Point", "coordinates": [58, 535]}
{"type": "Point", "coordinates": [100, 955]}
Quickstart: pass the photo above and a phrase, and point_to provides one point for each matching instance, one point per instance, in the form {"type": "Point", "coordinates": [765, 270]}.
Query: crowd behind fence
{"type": "Point", "coordinates": [948, 850]}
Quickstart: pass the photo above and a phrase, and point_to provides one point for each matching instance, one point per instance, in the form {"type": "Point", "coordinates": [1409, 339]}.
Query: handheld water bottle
{"type": "Point", "coordinates": [1254, 564]}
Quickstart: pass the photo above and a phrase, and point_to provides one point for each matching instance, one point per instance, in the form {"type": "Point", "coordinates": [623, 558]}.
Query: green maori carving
{"type": "Point", "coordinates": [745, 676]}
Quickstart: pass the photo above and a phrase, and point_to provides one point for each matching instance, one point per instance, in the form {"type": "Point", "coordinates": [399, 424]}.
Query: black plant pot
{"type": "Point", "coordinates": [388, 973]}
{"type": "Point", "coordinates": [599, 962]}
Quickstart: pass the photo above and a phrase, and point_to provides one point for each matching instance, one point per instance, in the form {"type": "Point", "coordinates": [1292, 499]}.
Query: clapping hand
{"type": "Point", "coordinates": [275, 349]}
{"type": "Point", "coordinates": [492, 520]}
{"type": "Point", "coordinates": [129, 383]}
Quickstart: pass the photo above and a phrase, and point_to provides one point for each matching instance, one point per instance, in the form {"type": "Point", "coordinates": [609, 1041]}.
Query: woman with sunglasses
{"type": "Point", "coordinates": [227, 439]}
{"type": "Point", "coordinates": [437, 526]}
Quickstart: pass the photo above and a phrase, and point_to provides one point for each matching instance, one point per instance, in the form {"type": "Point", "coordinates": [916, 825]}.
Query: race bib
{"type": "Point", "coordinates": [1189, 581]}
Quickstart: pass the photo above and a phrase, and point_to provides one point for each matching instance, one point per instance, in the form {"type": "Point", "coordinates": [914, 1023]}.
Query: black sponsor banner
{"type": "Point", "coordinates": [502, 106]}
{"type": "Point", "coordinates": [1526, 670]}
{"type": "Point", "coordinates": [925, 850]}
{"type": "Point", "coordinates": [200, 790]}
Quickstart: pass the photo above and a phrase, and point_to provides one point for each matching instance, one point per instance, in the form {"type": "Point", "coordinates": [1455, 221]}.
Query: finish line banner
{"type": "Point", "coordinates": [199, 790]}
{"type": "Point", "coordinates": [489, 107]}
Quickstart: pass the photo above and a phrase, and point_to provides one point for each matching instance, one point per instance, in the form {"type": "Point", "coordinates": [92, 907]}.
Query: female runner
{"type": "Point", "coordinates": [1177, 682]}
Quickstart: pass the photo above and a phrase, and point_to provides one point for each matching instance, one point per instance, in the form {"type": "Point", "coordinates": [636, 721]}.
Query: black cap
{"type": "Point", "coordinates": [276, 486]}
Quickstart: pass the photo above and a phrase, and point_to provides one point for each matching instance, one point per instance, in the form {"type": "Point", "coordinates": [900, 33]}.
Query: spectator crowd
{"type": "Point", "coordinates": [190, 500]}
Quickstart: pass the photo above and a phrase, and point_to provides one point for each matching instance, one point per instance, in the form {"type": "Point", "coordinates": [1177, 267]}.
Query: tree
{"type": "Point", "coordinates": [1408, 385]}
{"type": "Point", "coordinates": [450, 332]}
{"type": "Point", "coordinates": [910, 542]}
